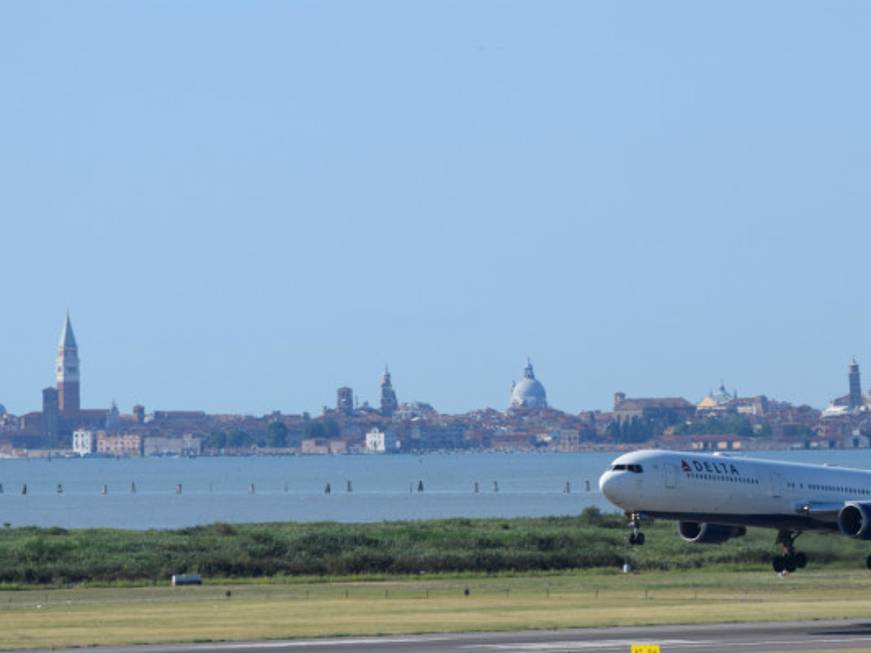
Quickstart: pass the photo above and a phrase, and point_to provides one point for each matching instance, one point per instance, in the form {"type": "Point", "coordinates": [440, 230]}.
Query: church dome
{"type": "Point", "coordinates": [529, 392]}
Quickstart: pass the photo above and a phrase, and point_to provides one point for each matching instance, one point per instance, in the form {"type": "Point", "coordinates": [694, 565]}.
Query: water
{"type": "Point", "coordinates": [292, 488]}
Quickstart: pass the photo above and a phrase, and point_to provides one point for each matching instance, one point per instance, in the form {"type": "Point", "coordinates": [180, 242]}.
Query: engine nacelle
{"type": "Point", "coordinates": [704, 533]}
{"type": "Point", "coordinates": [854, 520]}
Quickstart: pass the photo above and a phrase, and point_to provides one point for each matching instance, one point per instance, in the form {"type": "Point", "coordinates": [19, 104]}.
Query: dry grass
{"type": "Point", "coordinates": [81, 617]}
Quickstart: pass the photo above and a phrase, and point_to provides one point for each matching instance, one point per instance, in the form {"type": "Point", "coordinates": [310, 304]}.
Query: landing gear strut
{"type": "Point", "coordinates": [636, 537]}
{"type": "Point", "coordinates": [790, 560]}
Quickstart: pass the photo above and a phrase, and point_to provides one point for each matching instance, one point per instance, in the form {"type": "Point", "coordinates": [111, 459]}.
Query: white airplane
{"type": "Point", "coordinates": [716, 497]}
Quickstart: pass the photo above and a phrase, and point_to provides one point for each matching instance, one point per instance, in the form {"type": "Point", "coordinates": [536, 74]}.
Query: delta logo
{"type": "Point", "coordinates": [709, 467]}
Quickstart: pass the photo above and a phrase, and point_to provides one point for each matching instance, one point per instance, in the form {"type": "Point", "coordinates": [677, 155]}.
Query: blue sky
{"type": "Point", "coordinates": [247, 204]}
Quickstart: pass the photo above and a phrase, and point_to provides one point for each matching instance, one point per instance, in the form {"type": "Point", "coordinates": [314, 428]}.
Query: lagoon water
{"type": "Point", "coordinates": [291, 488]}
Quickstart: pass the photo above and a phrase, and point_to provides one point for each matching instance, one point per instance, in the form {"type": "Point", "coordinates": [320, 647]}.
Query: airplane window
{"type": "Point", "coordinates": [619, 468]}
{"type": "Point", "coordinates": [635, 469]}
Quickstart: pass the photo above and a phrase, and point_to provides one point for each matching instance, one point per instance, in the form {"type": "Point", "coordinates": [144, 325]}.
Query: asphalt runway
{"type": "Point", "coordinates": [715, 638]}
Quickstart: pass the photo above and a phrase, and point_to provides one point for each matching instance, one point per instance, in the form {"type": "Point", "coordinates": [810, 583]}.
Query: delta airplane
{"type": "Point", "coordinates": [716, 497]}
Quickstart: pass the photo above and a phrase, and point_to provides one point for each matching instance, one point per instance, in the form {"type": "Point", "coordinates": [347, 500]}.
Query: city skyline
{"type": "Point", "coordinates": [283, 196]}
{"type": "Point", "coordinates": [67, 374]}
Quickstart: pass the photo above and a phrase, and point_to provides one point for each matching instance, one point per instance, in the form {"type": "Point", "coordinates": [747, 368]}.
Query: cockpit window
{"type": "Point", "coordinates": [635, 469]}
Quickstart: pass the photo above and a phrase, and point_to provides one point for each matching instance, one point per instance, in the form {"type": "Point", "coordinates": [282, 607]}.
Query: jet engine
{"type": "Point", "coordinates": [704, 533]}
{"type": "Point", "coordinates": [854, 520]}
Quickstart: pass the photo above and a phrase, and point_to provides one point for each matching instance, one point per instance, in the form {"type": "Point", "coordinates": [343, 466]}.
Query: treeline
{"type": "Point", "coordinates": [274, 435]}
{"type": "Point", "coordinates": [61, 557]}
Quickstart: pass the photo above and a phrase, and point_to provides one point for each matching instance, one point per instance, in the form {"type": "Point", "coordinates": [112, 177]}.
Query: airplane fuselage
{"type": "Point", "coordinates": [733, 489]}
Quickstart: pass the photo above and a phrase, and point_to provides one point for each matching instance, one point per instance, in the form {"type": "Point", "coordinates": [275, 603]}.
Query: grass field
{"type": "Point", "coordinates": [57, 557]}
{"type": "Point", "coordinates": [88, 616]}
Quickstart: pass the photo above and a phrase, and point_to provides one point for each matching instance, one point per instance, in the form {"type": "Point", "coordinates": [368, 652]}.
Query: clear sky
{"type": "Point", "coordinates": [245, 205]}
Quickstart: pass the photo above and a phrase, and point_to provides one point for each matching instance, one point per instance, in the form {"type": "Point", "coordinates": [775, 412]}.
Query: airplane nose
{"type": "Point", "coordinates": [606, 485]}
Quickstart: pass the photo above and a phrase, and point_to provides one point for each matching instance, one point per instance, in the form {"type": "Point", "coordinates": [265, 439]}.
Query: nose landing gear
{"type": "Point", "coordinates": [636, 537]}
{"type": "Point", "coordinates": [791, 559]}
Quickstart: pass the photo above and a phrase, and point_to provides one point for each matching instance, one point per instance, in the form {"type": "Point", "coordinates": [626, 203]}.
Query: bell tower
{"type": "Point", "coordinates": [389, 404]}
{"type": "Point", "coordinates": [855, 396]}
{"type": "Point", "coordinates": [67, 371]}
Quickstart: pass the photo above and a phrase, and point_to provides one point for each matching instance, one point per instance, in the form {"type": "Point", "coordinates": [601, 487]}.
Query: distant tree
{"type": "Point", "coordinates": [314, 430]}
{"type": "Point", "coordinates": [331, 428]}
{"type": "Point", "coordinates": [294, 438]}
{"type": "Point", "coordinates": [276, 435]}
{"type": "Point", "coordinates": [240, 440]}
{"type": "Point", "coordinates": [719, 425]}
{"type": "Point", "coordinates": [216, 440]}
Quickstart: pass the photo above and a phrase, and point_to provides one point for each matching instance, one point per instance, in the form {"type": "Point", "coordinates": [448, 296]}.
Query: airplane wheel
{"type": "Point", "coordinates": [800, 560]}
{"type": "Point", "coordinates": [779, 563]}
{"type": "Point", "coordinates": [789, 564]}
{"type": "Point", "coordinates": [868, 562]}
{"type": "Point", "coordinates": [639, 540]}
{"type": "Point", "coordinates": [634, 540]}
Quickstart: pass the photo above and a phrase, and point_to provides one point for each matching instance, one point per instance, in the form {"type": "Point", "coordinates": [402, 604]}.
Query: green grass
{"type": "Point", "coordinates": [67, 617]}
{"type": "Point", "coordinates": [57, 557]}
{"type": "Point", "coordinates": [302, 580]}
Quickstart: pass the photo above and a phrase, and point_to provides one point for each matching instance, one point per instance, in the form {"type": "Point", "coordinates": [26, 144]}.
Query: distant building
{"type": "Point", "coordinates": [668, 410]}
{"type": "Point", "coordinates": [529, 392]}
{"type": "Point", "coordinates": [856, 440]}
{"type": "Point", "coordinates": [345, 401]}
{"type": "Point", "coordinates": [139, 413]}
{"type": "Point", "coordinates": [338, 447]}
{"type": "Point", "coordinates": [755, 406]}
{"type": "Point", "coordinates": [119, 444]}
{"type": "Point", "coordinates": [84, 442]}
{"type": "Point", "coordinates": [389, 404]}
{"type": "Point", "coordinates": [567, 439]}
{"type": "Point", "coordinates": [323, 446]}
{"type": "Point", "coordinates": [716, 402]}
{"type": "Point", "coordinates": [378, 441]}
{"type": "Point", "coordinates": [187, 445]}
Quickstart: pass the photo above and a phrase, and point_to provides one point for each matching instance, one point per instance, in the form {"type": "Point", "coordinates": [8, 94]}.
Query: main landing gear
{"type": "Point", "coordinates": [636, 537]}
{"type": "Point", "coordinates": [791, 559]}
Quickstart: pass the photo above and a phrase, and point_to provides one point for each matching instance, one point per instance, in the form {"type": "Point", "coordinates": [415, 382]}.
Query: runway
{"type": "Point", "coordinates": [715, 638]}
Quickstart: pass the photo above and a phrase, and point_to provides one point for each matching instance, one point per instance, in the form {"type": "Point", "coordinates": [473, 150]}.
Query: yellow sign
{"type": "Point", "coordinates": [645, 648]}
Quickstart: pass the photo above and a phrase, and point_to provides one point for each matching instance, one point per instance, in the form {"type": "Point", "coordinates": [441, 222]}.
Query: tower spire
{"type": "Point", "coordinates": [67, 337]}
{"type": "Point", "coordinates": [67, 370]}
